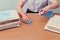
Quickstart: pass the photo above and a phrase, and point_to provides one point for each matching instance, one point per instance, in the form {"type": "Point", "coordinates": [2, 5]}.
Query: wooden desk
{"type": "Point", "coordinates": [34, 31]}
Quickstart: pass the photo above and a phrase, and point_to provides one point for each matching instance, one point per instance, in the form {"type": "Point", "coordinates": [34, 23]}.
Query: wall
{"type": "Point", "coordinates": [8, 4]}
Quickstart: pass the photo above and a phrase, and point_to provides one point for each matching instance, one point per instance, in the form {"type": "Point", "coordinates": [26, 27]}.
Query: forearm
{"type": "Point", "coordinates": [52, 6]}
{"type": "Point", "coordinates": [20, 11]}
{"type": "Point", "coordinates": [20, 6]}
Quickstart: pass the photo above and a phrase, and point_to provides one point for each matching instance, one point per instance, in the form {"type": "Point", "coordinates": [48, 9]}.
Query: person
{"type": "Point", "coordinates": [34, 6]}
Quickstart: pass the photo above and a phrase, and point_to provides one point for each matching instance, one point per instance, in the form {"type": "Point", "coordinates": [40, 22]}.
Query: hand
{"type": "Point", "coordinates": [44, 10]}
{"type": "Point", "coordinates": [24, 17]}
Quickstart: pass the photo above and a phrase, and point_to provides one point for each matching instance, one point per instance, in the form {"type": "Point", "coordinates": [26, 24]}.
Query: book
{"type": "Point", "coordinates": [9, 25]}
{"type": "Point", "coordinates": [9, 19]}
{"type": "Point", "coordinates": [8, 15]}
{"type": "Point", "coordinates": [53, 24]}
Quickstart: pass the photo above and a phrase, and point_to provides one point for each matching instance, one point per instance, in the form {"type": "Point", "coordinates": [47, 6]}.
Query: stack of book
{"type": "Point", "coordinates": [53, 24]}
{"type": "Point", "coordinates": [9, 19]}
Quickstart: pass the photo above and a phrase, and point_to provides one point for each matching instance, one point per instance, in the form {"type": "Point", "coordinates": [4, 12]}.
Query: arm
{"type": "Point", "coordinates": [20, 11]}
{"type": "Point", "coordinates": [54, 4]}
{"type": "Point", "coordinates": [20, 6]}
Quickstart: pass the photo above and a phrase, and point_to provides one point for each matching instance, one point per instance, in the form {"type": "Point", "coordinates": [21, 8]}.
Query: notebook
{"type": "Point", "coordinates": [8, 15]}
{"type": "Point", "coordinates": [9, 25]}
{"type": "Point", "coordinates": [9, 19]}
{"type": "Point", "coordinates": [53, 24]}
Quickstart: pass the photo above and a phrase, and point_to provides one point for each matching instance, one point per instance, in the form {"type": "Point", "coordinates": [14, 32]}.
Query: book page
{"type": "Point", "coordinates": [54, 22]}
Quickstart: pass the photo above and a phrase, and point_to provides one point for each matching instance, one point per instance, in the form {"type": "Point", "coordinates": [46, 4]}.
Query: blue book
{"type": "Point", "coordinates": [4, 16]}
{"type": "Point", "coordinates": [8, 15]}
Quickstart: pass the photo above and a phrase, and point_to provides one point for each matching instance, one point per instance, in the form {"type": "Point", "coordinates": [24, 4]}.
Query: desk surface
{"type": "Point", "coordinates": [34, 31]}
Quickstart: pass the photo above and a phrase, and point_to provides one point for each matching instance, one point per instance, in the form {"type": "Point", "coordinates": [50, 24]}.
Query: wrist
{"type": "Point", "coordinates": [48, 7]}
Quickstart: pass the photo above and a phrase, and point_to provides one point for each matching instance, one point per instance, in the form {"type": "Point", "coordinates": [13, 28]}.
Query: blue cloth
{"type": "Point", "coordinates": [27, 21]}
{"type": "Point", "coordinates": [48, 14]}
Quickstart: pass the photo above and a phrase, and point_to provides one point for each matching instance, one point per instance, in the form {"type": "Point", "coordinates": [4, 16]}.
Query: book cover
{"type": "Point", "coordinates": [8, 15]}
